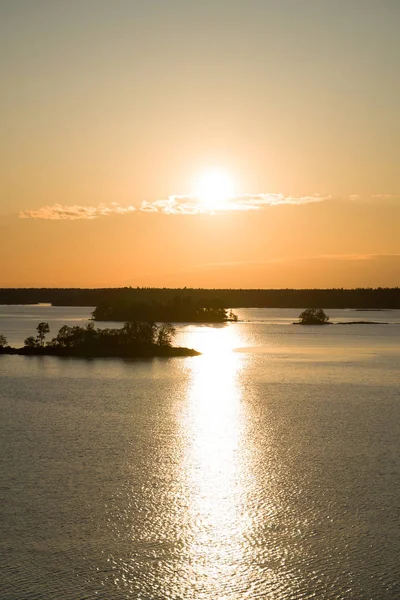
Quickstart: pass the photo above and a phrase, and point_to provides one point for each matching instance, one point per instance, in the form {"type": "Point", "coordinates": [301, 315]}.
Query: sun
{"type": "Point", "coordinates": [214, 188]}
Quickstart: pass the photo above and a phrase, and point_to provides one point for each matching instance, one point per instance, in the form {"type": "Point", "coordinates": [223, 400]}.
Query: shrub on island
{"type": "Point", "coordinates": [313, 316]}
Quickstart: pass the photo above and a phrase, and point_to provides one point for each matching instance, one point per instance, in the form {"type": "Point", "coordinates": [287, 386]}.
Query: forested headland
{"type": "Point", "coordinates": [359, 298]}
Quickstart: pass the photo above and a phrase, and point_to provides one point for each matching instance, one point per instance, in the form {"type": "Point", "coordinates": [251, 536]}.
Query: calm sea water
{"type": "Point", "coordinates": [268, 467]}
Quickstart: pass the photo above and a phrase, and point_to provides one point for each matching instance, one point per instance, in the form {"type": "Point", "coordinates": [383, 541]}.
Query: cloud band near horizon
{"type": "Point", "coordinates": [186, 205]}
{"type": "Point", "coordinates": [173, 205]}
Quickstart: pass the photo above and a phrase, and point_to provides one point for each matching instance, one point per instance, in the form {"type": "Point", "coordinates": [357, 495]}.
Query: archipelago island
{"type": "Point", "coordinates": [133, 340]}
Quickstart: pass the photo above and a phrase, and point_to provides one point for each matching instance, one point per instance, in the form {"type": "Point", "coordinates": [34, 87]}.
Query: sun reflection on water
{"type": "Point", "coordinates": [215, 467]}
{"type": "Point", "coordinates": [187, 518]}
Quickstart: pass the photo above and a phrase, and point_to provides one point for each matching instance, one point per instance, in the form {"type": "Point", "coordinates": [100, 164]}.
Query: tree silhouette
{"type": "Point", "coordinates": [313, 316]}
{"type": "Point", "coordinates": [42, 329]}
{"type": "Point", "coordinates": [31, 342]}
{"type": "Point", "coordinates": [165, 333]}
{"type": "Point", "coordinates": [3, 340]}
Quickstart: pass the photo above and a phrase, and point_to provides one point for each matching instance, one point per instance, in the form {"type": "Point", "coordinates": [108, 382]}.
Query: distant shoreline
{"type": "Point", "coordinates": [361, 299]}
{"type": "Point", "coordinates": [343, 323]}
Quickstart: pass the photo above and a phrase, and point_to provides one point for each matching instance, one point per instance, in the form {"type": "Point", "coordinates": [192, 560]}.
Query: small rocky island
{"type": "Point", "coordinates": [317, 316]}
{"type": "Point", "coordinates": [133, 340]}
{"type": "Point", "coordinates": [313, 316]}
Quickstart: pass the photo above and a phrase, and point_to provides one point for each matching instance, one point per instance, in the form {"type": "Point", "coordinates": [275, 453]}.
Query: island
{"type": "Point", "coordinates": [313, 316]}
{"type": "Point", "coordinates": [317, 316]}
{"type": "Point", "coordinates": [133, 340]}
{"type": "Point", "coordinates": [178, 310]}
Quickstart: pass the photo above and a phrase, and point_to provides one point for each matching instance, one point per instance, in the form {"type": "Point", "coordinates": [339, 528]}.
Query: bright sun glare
{"type": "Point", "coordinates": [214, 188]}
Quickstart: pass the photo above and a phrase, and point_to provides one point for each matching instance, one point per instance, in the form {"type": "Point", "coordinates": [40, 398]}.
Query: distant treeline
{"type": "Point", "coordinates": [363, 298]}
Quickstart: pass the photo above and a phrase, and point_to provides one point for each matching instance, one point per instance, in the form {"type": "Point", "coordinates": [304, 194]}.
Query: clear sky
{"type": "Point", "coordinates": [212, 143]}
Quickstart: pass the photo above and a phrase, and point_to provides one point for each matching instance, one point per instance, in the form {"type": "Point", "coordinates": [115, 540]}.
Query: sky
{"type": "Point", "coordinates": [221, 143]}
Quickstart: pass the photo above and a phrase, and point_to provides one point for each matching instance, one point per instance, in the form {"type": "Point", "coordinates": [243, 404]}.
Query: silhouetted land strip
{"type": "Point", "coordinates": [359, 298]}
{"type": "Point", "coordinates": [312, 324]}
{"type": "Point", "coordinates": [361, 323]}
{"type": "Point", "coordinates": [369, 309]}
{"type": "Point", "coordinates": [151, 352]}
{"type": "Point", "coordinates": [133, 340]}
{"type": "Point", "coordinates": [344, 323]}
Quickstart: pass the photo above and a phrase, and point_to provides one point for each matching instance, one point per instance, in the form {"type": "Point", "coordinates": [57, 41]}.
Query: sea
{"type": "Point", "coordinates": [268, 467]}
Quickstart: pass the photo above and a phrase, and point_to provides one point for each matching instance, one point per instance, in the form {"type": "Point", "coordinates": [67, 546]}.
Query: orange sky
{"type": "Point", "coordinates": [112, 111]}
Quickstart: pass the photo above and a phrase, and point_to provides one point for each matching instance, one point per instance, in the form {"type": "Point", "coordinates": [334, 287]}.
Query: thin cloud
{"type": "Point", "coordinates": [190, 205]}
{"type": "Point", "coordinates": [173, 205]}
{"type": "Point", "coordinates": [255, 202]}
{"type": "Point", "coordinates": [291, 259]}
{"type": "Point", "coordinates": [338, 257]}
{"type": "Point", "coordinates": [184, 205]}
{"type": "Point", "coordinates": [58, 212]}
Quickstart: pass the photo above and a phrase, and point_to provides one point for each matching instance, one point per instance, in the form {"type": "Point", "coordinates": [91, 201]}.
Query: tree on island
{"type": "Point", "coordinates": [313, 316]}
{"type": "Point", "coordinates": [31, 342]}
{"type": "Point", "coordinates": [165, 333]}
{"type": "Point", "coordinates": [38, 342]}
{"type": "Point", "coordinates": [42, 329]}
{"type": "Point", "coordinates": [3, 341]}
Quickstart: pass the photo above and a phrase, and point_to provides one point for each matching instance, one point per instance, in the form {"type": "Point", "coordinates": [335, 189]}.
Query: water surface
{"type": "Point", "coordinates": [267, 467]}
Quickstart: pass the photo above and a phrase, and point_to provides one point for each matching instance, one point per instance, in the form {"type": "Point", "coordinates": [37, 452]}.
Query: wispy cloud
{"type": "Point", "coordinates": [73, 212]}
{"type": "Point", "coordinates": [254, 202]}
{"type": "Point", "coordinates": [299, 259]}
{"type": "Point", "coordinates": [339, 257]}
{"type": "Point", "coordinates": [192, 205]}
{"type": "Point", "coordinates": [188, 205]}
{"type": "Point", "coordinates": [173, 205]}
